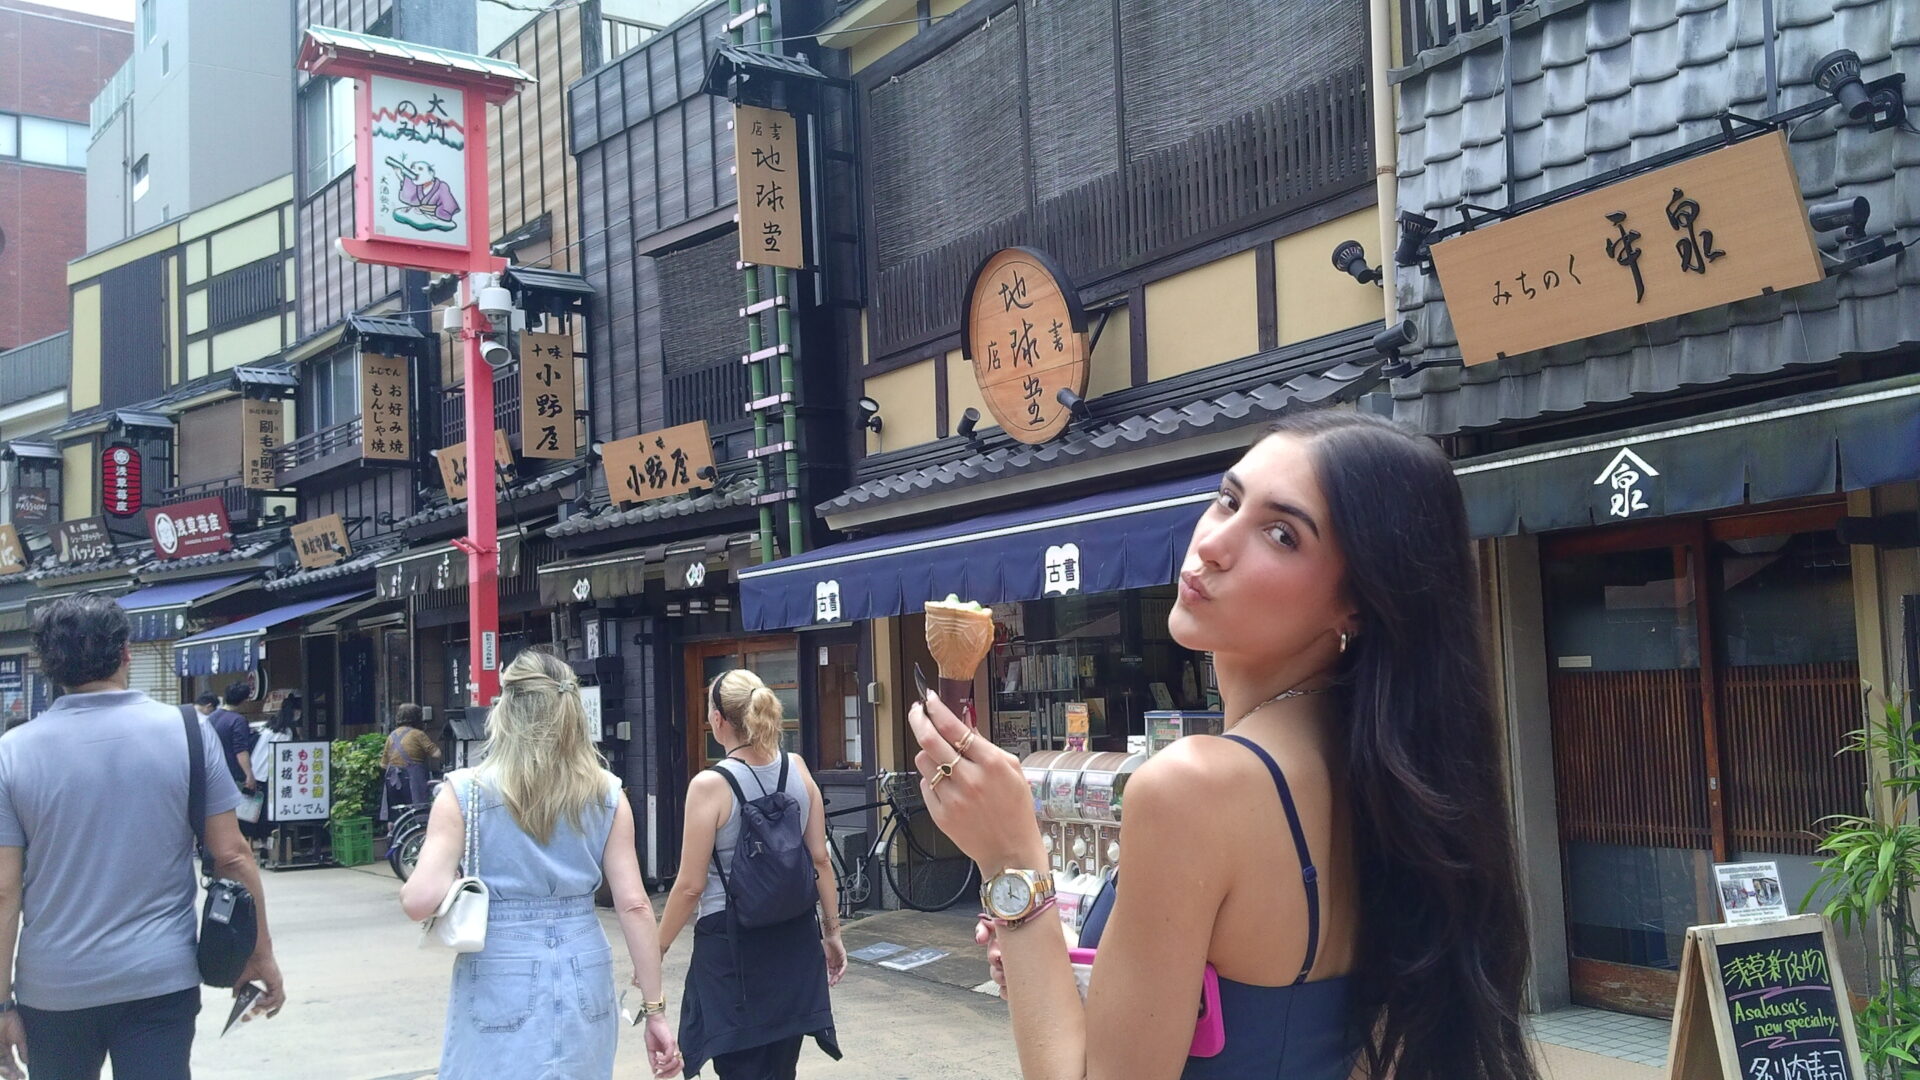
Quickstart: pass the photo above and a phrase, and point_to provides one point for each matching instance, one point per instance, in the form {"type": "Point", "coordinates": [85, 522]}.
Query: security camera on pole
{"type": "Point", "coordinates": [420, 202]}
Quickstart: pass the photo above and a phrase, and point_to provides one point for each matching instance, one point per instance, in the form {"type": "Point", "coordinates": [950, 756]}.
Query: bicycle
{"type": "Point", "coordinates": [405, 834]}
{"type": "Point", "coordinates": [923, 880]}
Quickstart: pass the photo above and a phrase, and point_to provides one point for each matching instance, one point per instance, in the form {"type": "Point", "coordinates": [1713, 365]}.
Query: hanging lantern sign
{"type": "Point", "coordinates": [120, 480]}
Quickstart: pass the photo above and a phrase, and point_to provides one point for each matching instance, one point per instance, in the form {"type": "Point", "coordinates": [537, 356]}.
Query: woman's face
{"type": "Point", "coordinates": [1264, 576]}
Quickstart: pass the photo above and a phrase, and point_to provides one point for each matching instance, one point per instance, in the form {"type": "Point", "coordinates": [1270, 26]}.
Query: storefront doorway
{"type": "Point", "coordinates": [1701, 676]}
{"type": "Point", "coordinates": [775, 659]}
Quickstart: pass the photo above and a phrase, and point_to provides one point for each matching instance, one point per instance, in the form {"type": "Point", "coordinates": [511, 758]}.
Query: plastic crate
{"type": "Point", "coordinates": [352, 841]}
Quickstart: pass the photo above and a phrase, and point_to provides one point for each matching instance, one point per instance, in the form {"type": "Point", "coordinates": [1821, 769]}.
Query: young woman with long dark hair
{"type": "Point", "coordinates": [1343, 858]}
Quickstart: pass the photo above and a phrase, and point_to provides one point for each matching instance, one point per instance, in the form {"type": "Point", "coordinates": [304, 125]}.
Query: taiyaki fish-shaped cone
{"type": "Point", "coordinates": [959, 634]}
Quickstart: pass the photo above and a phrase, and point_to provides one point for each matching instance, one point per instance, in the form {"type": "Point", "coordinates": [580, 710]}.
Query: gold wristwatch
{"type": "Point", "coordinates": [1014, 897]}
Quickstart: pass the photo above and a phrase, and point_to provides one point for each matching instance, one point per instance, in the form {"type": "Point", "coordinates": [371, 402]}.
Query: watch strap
{"type": "Point", "coordinates": [1040, 897]}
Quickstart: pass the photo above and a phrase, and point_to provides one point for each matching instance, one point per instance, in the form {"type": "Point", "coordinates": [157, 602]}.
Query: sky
{"type": "Point", "coordinates": [112, 9]}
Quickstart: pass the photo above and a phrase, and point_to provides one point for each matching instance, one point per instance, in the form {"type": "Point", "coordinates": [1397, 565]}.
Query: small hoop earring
{"type": "Point", "coordinates": [1343, 641]}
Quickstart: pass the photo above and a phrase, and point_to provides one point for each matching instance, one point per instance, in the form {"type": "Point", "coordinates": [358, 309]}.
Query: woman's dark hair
{"type": "Point", "coordinates": [287, 716]}
{"type": "Point", "coordinates": [1442, 952]}
{"type": "Point", "coordinates": [80, 639]}
{"type": "Point", "coordinates": [407, 715]}
{"type": "Point", "coordinates": [210, 700]}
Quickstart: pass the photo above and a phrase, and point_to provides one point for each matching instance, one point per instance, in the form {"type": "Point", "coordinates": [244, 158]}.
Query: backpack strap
{"type": "Point", "coordinates": [197, 791]}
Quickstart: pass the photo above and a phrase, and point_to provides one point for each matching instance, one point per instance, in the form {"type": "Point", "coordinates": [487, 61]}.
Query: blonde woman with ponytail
{"type": "Point", "coordinates": [752, 994]}
{"type": "Point", "coordinates": [549, 822]}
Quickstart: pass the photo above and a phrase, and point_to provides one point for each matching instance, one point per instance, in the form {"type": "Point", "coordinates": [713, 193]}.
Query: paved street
{"type": "Point", "coordinates": [365, 1004]}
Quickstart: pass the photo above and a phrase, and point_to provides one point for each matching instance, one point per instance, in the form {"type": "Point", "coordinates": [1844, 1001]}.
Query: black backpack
{"type": "Point", "coordinates": [773, 879]}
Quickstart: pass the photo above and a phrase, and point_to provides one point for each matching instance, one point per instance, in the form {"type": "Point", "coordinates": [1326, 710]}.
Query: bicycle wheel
{"type": "Point", "coordinates": [856, 885]}
{"type": "Point", "coordinates": [923, 879]}
{"type": "Point", "coordinates": [403, 852]}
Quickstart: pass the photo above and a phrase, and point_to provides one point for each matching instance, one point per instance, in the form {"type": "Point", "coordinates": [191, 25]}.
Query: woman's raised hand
{"type": "Point", "coordinates": [979, 797]}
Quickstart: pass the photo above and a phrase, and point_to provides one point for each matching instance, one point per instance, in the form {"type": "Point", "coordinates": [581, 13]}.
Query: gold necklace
{"type": "Point", "coordinates": [1275, 700]}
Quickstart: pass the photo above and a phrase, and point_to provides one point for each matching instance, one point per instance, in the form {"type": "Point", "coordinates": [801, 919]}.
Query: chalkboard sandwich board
{"type": "Point", "coordinates": [1766, 1001]}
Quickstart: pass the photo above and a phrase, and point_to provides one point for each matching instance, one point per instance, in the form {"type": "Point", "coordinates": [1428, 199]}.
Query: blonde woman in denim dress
{"type": "Point", "coordinates": [538, 1003]}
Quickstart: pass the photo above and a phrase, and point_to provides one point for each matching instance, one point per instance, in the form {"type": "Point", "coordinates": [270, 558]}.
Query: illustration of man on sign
{"type": "Point", "coordinates": [426, 201]}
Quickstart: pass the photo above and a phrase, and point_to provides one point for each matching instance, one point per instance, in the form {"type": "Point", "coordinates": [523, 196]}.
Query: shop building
{"type": "Point", "coordinates": [1697, 527]}
{"type": "Point", "coordinates": [1188, 237]}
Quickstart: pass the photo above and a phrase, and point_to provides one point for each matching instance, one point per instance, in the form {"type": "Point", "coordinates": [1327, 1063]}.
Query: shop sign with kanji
{"type": "Point", "coordinates": [657, 464]}
{"type": "Point", "coordinates": [262, 430]}
{"type": "Point", "coordinates": [321, 542]}
{"type": "Point", "coordinates": [300, 781]}
{"type": "Point", "coordinates": [1026, 337]}
{"type": "Point", "coordinates": [767, 169]}
{"type": "Point", "coordinates": [386, 406]}
{"type": "Point", "coordinates": [453, 464]}
{"type": "Point", "coordinates": [1708, 231]}
{"type": "Point", "coordinates": [13, 556]}
{"type": "Point", "coordinates": [83, 540]}
{"type": "Point", "coordinates": [120, 480]}
{"type": "Point", "coordinates": [194, 527]}
{"type": "Point", "coordinates": [547, 427]}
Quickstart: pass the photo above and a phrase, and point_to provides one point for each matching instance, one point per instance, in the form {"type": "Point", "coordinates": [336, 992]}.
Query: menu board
{"type": "Point", "coordinates": [300, 781]}
{"type": "Point", "coordinates": [1763, 1002]}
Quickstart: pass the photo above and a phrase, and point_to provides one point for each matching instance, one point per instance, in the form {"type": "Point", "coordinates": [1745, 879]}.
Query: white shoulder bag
{"type": "Point", "coordinates": [460, 922]}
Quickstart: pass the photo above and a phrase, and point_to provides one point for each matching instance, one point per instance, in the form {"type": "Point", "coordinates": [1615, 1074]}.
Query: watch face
{"type": "Point", "coordinates": [1009, 895]}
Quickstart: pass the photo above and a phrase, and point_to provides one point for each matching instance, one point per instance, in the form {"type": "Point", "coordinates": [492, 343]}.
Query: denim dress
{"type": "Point", "coordinates": [537, 1003]}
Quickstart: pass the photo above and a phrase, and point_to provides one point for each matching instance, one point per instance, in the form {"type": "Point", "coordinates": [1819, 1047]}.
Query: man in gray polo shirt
{"type": "Point", "coordinates": [96, 853]}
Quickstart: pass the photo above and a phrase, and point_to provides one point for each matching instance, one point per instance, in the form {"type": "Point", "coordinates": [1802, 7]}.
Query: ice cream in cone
{"type": "Point", "coordinates": [959, 634]}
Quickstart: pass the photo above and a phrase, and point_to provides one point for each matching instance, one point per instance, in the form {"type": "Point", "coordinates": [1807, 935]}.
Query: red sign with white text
{"type": "Point", "coordinates": [120, 480]}
{"type": "Point", "coordinates": [194, 527]}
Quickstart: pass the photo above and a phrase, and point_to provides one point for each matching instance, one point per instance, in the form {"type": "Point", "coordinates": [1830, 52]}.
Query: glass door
{"type": "Point", "coordinates": [776, 660]}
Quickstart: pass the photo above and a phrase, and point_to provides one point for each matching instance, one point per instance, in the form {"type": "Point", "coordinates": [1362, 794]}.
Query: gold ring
{"type": "Point", "coordinates": [944, 770]}
{"type": "Point", "coordinates": [966, 742]}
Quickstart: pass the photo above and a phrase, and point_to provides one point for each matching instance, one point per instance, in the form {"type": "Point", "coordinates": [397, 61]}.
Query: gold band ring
{"type": "Point", "coordinates": [961, 749]}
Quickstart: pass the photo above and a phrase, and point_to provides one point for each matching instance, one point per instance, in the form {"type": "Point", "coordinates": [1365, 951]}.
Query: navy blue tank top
{"type": "Point", "coordinates": [1296, 1032]}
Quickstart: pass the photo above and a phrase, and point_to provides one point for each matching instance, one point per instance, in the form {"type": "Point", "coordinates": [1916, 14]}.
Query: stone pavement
{"type": "Point", "coordinates": [366, 1004]}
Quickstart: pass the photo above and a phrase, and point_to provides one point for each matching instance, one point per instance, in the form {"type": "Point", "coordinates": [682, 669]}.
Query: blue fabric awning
{"type": "Point", "coordinates": [234, 647]}
{"type": "Point", "coordinates": [159, 612]}
{"type": "Point", "coordinates": [1118, 540]}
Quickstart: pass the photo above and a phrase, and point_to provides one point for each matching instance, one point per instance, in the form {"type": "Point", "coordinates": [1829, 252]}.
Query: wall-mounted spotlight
{"type": "Point", "coordinates": [870, 415]}
{"type": "Point", "coordinates": [1392, 342]}
{"type": "Point", "coordinates": [707, 473]}
{"type": "Point", "coordinates": [1414, 229]}
{"type": "Point", "coordinates": [1882, 100]}
{"type": "Point", "coordinates": [969, 420]}
{"type": "Point", "coordinates": [1351, 258]}
{"type": "Point", "coordinates": [1849, 214]}
{"type": "Point", "coordinates": [1075, 404]}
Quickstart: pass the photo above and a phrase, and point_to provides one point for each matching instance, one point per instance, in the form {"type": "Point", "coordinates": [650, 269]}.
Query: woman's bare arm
{"type": "Point", "coordinates": [439, 862]}
{"type": "Point", "coordinates": [705, 799]}
{"type": "Point", "coordinates": [630, 903]}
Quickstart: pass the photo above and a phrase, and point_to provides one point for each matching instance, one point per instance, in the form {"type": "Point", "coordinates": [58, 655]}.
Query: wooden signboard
{"type": "Point", "coordinates": [1026, 336]}
{"type": "Point", "coordinates": [657, 464]}
{"type": "Point", "coordinates": [262, 430]}
{"type": "Point", "coordinates": [1708, 231]}
{"type": "Point", "coordinates": [1763, 1002]}
{"type": "Point", "coordinates": [13, 556]}
{"type": "Point", "coordinates": [453, 464]}
{"type": "Point", "coordinates": [767, 168]}
{"type": "Point", "coordinates": [321, 542]}
{"type": "Point", "coordinates": [386, 408]}
{"type": "Point", "coordinates": [185, 529]}
{"type": "Point", "coordinates": [82, 540]}
{"type": "Point", "coordinates": [546, 397]}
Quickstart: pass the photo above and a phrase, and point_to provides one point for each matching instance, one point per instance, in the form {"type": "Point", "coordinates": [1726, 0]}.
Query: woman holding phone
{"type": "Point", "coordinates": [1341, 862]}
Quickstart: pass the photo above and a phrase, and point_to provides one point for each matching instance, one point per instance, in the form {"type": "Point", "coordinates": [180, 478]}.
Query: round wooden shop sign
{"type": "Point", "coordinates": [1026, 336]}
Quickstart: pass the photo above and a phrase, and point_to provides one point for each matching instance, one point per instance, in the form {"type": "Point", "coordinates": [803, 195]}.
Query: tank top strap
{"type": "Point", "coordinates": [1309, 876]}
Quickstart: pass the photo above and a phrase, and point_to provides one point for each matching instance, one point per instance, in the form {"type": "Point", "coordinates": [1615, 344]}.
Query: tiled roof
{"type": "Point", "coordinates": [735, 491]}
{"type": "Point", "coordinates": [241, 552]}
{"type": "Point", "coordinates": [1602, 83]}
{"type": "Point", "coordinates": [547, 481]}
{"type": "Point", "coordinates": [1352, 374]}
{"type": "Point", "coordinates": [327, 37]}
{"type": "Point", "coordinates": [360, 563]}
{"type": "Point", "coordinates": [381, 326]}
{"type": "Point", "coordinates": [124, 557]}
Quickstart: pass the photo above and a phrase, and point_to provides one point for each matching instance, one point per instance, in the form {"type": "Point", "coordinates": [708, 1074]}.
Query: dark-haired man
{"type": "Point", "coordinates": [97, 855]}
{"type": "Point", "coordinates": [236, 735]}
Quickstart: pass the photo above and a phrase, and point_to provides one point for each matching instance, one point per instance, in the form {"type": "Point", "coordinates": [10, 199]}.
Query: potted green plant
{"type": "Point", "coordinates": [1870, 871]}
{"type": "Point", "coordinates": [356, 778]}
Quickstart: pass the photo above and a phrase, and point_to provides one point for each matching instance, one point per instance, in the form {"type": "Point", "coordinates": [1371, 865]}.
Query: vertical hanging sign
{"type": "Point", "coordinates": [766, 166]}
{"type": "Point", "coordinates": [386, 399]}
{"type": "Point", "coordinates": [546, 396]}
{"type": "Point", "coordinates": [419, 161]}
{"type": "Point", "coordinates": [261, 433]}
{"type": "Point", "coordinates": [120, 480]}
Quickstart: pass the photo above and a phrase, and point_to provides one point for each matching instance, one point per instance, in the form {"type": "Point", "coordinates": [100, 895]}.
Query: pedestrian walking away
{"type": "Point", "coordinates": [548, 822]}
{"type": "Point", "coordinates": [755, 988]}
{"type": "Point", "coordinates": [1332, 581]}
{"type": "Point", "coordinates": [97, 866]}
{"type": "Point", "coordinates": [408, 759]}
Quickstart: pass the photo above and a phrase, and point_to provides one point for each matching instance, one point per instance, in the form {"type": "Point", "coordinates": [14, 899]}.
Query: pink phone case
{"type": "Point", "coordinates": [1209, 1029]}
